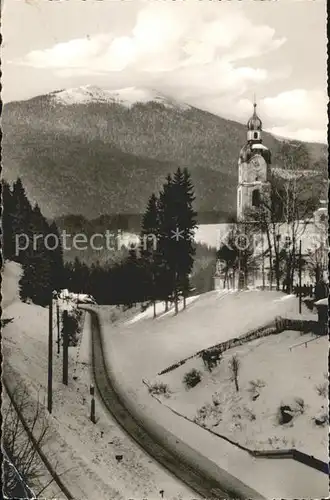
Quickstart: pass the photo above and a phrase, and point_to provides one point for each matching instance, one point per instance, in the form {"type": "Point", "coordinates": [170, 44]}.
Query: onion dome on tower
{"type": "Point", "coordinates": [254, 141]}
{"type": "Point", "coordinates": [254, 122]}
{"type": "Point", "coordinates": [254, 126]}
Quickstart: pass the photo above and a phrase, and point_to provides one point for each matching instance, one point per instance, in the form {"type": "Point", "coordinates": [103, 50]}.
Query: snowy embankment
{"type": "Point", "coordinates": [140, 350]}
{"type": "Point", "coordinates": [274, 372]}
{"type": "Point", "coordinates": [85, 453]}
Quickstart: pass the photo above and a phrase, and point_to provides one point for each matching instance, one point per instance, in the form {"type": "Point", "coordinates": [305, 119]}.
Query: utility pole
{"type": "Point", "coordinates": [65, 348]}
{"type": "Point", "coordinates": [92, 415]}
{"type": "Point", "coordinates": [300, 291]}
{"type": "Point", "coordinates": [263, 262]}
{"type": "Point", "coordinates": [50, 357]}
{"type": "Point", "coordinates": [58, 327]}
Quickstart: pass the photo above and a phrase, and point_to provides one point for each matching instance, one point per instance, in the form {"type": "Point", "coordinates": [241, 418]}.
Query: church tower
{"type": "Point", "coordinates": [253, 168]}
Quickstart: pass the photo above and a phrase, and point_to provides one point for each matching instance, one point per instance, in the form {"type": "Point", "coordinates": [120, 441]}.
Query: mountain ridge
{"type": "Point", "coordinates": [127, 96]}
{"type": "Point", "coordinates": [97, 157]}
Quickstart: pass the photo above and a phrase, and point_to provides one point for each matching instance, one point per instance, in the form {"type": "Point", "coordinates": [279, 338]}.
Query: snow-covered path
{"type": "Point", "coordinates": [152, 438]}
{"type": "Point", "coordinates": [84, 452]}
{"type": "Point", "coordinates": [139, 350]}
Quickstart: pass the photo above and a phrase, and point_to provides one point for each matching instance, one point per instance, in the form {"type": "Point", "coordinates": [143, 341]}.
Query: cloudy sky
{"type": "Point", "coordinates": [214, 55]}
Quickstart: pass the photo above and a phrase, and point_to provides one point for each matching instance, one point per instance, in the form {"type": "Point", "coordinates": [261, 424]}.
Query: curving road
{"type": "Point", "coordinates": [196, 478]}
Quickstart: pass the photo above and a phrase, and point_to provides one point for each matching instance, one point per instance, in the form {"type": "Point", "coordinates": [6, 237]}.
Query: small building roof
{"type": "Point", "coordinates": [322, 302]}
{"type": "Point", "coordinates": [258, 146]}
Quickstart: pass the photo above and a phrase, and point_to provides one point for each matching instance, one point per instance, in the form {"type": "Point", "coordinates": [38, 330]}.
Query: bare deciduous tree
{"type": "Point", "coordinates": [23, 468]}
{"type": "Point", "coordinates": [234, 366]}
{"type": "Point", "coordinates": [286, 211]}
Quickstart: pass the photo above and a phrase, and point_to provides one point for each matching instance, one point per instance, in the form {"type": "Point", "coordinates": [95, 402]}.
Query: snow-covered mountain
{"type": "Point", "coordinates": [127, 96]}
{"type": "Point", "coordinates": [94, 151]}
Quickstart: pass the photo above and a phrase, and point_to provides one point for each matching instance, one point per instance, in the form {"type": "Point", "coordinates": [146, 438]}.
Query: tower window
{"type": "Point", "coordinates": [256, 198]}
{"type": "Point", "coordinates": [239, 198]}
{"type": "Point", "coordinates": [255, 135]}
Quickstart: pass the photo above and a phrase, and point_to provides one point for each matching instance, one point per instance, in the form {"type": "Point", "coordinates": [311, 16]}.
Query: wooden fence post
{"type": "Point", "coordinates": [50, 357]}
{"type": "Point", "coordinates": [58, 327]}
{"type": "Point", "coordinates": [65, 348]}
{"type": "Point", "coordinates": [92, 415]}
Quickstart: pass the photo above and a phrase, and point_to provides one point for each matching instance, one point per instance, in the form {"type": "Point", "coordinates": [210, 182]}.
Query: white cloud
{"type": "Point", "coordinates": [71, 54]}
{"type": "Point", "coordinates": [165, 37]}
{"type": "Point", "coordinates": [204, 55]}
{"type": "Point", "coordinates": [298, 106]}
{"type": "Point", "coordinates": [306, 134]}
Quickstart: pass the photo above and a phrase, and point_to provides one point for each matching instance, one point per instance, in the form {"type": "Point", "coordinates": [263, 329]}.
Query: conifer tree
{"type": "Point", "coordinates": [132, 278]}
{"type": "Point", "coordinates": [21, 214]}
{"type": "Point", "coordinates": [150, 257]}
{"type": "Point", "coordinates": [167, 227]}
{"type": "Point", "coordinates": [56, 258]}
{"type": "Point", "coordinates": [42, 260]}
{"type": "Point", "coordinates": [177, 225]}
{"type": "Point", "coordinates": [36, 282]}
{"type": "Point", "coordinates": [187, 224]}
{"type": "Point", "coordinates": [7, 222]}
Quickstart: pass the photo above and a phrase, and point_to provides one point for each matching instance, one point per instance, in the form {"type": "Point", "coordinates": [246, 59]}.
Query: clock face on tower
{"type": "Point", "coordinates": [258, 168]}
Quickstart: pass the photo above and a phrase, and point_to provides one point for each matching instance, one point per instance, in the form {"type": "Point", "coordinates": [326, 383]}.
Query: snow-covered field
{"type": "Point", "coordinates": [139, 350]}
{"type": "Point", "coordinates": [85, 452]}
{"type": "Point", "coordinates": [209, 319]}
{"type": "Point", "coordinates": [272, 373]}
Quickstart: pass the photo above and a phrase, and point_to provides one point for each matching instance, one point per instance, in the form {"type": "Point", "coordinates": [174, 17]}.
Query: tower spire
{"type": "Point", "coordinates": [254, 124]}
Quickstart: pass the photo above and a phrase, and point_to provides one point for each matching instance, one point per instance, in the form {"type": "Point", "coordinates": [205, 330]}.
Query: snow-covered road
{"type": "Point", "coordinates": [82, 452]}
{"type": "Point", "coordinates": [186, 463]}
{"type": "Point", "coordinates": [135, 351]}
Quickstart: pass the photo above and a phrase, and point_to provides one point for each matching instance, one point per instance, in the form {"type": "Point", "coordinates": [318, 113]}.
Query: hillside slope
{"type": "Point", "coordinates": [81, 151]}
{"type": "Point", "coordinates": [139, 349]}
{"type": "Point", "coordinates": [83, 453]}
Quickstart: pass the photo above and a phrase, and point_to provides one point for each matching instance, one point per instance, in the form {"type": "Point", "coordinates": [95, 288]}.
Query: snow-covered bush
{"type": "Point", "coordinates": [249, 414]}
{"type": "Point", "coordinates": [322, 389]}
{"type": "Point", "coordinates": [215, 399]}
{"type": "Point", "coordinates": [211, 357]}
{"type": "Point", "coordinates": [202, 414]}
{"type": "Point", "coordinates": [284, 414]}
{"type": "Point", "coordinates": [192, 378]}
{"type": "Point", "coordinates": [209, 415]}
{"type": "Point", "coordinates": [72, 322]}
{"type": "Point", "coordinates": [300, 405]}
{"type": "Point", "coordinates": [159, 389]}
{"type": "Point", "coordinates": [322, 418]}
{"type": "Point", "coordinates": [255, 385]}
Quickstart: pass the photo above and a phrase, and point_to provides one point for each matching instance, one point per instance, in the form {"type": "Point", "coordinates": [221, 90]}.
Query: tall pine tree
{"type": "Point", "coordinates": [21, 215]}
{"type": "Point", "coordinates": [36, 282]}
{"type": "Point", "coordinates": [7, 222]}
{"type": "Point", "coordinates": [42, 259]}
{"type": "Point", "coordinates": [167, 226]}
{"type": "Point", "coordinates": [56, 257]}
{"type": "Point", "coordinates": [187, 224]}
{"type": "Point", "coordinates": [150, 257]}
{"type": "Point", "coordinates": [177, 223]}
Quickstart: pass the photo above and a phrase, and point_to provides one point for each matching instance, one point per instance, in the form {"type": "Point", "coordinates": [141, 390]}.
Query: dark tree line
{"type": "Point", "coordinates": [28, 238]}
{"type": "Point", "coordinates": [159, 266]}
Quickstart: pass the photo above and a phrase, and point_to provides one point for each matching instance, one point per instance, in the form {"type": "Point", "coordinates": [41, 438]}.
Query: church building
{"type": "Point", "coordinates": [253, 168]}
